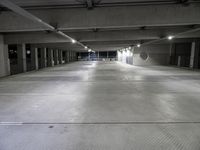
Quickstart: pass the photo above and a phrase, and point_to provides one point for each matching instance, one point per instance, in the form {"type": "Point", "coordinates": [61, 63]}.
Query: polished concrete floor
{"type": "Point", "coordinates": [101, 106]}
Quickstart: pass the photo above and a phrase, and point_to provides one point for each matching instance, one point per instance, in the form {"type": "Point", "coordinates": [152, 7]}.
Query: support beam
{"type": "Point", "coordinates": [116, 17]}
{"type": "Point", "coordinates": [34, 58]}
{"type": "Point", "coordinates": [192, 55]}
{"type": "Point", "coordinates": [60, 56]}
{"type": "Point", "coordinates": [21, 58]}
{"type": "Point", "coordinates": [66, 58]}
{"type": "Point", "coordinates": [35, 19]}
{"type": "Point", "coordinates": [4, 60]}
{"type": "Point", "coordinates": [55, 56]}
{"type": "Point", "coordinates": [196, 55]}
{"type": "Point", "coordinates": [43, 57]}
{"type": "Point", "coordinates": [50, 57]}
{"type": "Point", "coordinates": [88, 36]}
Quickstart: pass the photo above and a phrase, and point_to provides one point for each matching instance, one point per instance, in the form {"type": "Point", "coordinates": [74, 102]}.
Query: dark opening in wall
{"type": "Point", "coordinates": [102, 55]}
{"type": "Point", "coordinates": [12, 53]}
{"type": "Point", "coordinates": [181, 54]}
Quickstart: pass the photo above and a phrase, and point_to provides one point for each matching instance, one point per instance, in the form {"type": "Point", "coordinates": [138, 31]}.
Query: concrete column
{"type": "Point", "coordinates": [43, 57]}
{"type": "Point", "coordinates": [89, 56]}
{"type": "Point", "coordinates": [50, 58]}
{"type": "Point", "coordinates": [196, 55]}
{"type": "Point", "coordinates": [34, 58]}
{"type": "Point", "coordinates": [71, 52]}
{"type": "Point", "coordinates": [69, 56]}
{"type": "Point", "coordinates": [60, 56]}
{"type": "Point", "coordinates": [171, 52]}
{"type": "Point", "coordinates": [179, 61]}
{"type": "Point", "coordinates": [21, 58]}
{"type": "Point", "coordinates": [98, 55]}
{"type": "Point", "coordinates": [192, 55]}
{"type": "Point", "coordinates": [66, 56]}
{"type": "Point", "coordinates": [75, 56]}
{"type": "Point", "coordinates": [4, 60]}
{"type": "Point", "coordinates": [55, 57]}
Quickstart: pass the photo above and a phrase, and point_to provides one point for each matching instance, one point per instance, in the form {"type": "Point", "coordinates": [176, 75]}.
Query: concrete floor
{"type": "Point", "coordinates": [101, 105]}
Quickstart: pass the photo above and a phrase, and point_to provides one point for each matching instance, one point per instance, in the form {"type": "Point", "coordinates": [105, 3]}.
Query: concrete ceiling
{"type": "Point", "coordinates": [101, 24]}
{"type": "Point", "coordinates": [95, 3]}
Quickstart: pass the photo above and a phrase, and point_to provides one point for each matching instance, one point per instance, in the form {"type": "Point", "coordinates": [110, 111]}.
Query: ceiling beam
{"type": "Point", "coordinates": [105, 17]}
{"type": "Point", "coordinates": [46, 37]}
{"type": "Point", "coordinates": [33, 18]}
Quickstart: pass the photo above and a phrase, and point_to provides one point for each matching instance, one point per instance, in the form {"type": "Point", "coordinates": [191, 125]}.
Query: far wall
{"type": "Point", "coordinates": [155, 54]}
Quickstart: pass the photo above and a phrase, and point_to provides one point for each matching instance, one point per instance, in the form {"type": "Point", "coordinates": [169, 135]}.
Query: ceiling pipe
{"type": "Point", "coordinates": [29, 16]}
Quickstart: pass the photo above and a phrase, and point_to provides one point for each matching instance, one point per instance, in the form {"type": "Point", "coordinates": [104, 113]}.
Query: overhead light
{"type": "Point", "coordinates": [73, 41]}
{"type": "Point", "coordinates": [86, 47]}
{"type": "Point", "coordinates": [89, 50]}
{"type": "Point", "coordinates": [138, 45]}
{"type": "Point", "coordinates": [170, 37]}
{"type": "Point", "coordinates": [28, 52]}
{"type": "Point", "coordinates": [129, 47]}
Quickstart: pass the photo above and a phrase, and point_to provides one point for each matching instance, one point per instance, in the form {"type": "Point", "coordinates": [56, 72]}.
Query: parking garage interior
{"type": "Point", "coordinates": [99, 74]}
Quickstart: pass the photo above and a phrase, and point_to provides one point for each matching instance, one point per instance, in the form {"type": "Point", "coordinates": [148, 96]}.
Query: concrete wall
{"type": "Point", "coordinates": [156, 55]}
{"type": "Point", "coordinates": [4, 61]}
{"type": "Point", "coordinates": [146, 55]}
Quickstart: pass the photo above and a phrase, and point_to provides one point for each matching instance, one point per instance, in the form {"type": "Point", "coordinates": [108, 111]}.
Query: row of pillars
{"type": "Point", "coordinates": [48, 57]}
{"type": "Point", "coordinates": [194, 55]}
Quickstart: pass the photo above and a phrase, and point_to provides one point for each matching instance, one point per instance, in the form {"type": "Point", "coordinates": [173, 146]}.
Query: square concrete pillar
{"type": "Point", "coordinates": [69, 56]}
{"type": "Point", "coordinates": [196, 55]}
{"type": "Point", "coordinates": [43, 57]}
{"type": "Point", "coordinates": [192, 55]}
{"type": "Point", "coordinates": [55, 52]}
{"type": "Point", "coordinates": [4, 59]}
{"type": "Point", "coordinates": [73, 58]}
{"type": "Point", "coordinates": [21, 58]}
{"type": "Point", "coordinates": [60, 56]}
{"type": "Point", "coordinates": [50, 62]}
{"type": "Point", "coordinates": [74, 55]}
{"type": "Point", "coordinates": [66, 58]}
{"type": "Point", "coordinates": [34, 58]}
{"type": "Point", "coordinates": [98, 55]}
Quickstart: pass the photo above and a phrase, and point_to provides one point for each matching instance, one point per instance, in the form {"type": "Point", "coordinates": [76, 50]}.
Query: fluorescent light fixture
{"type": "Point", "coordinates": [73, 41]}
{"type": "Point", "coordinates": [89, 50]}
{"type": "Point", "coordinates": [138, 45]}
{"type": "Point", "coordinates": [170, 37]}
